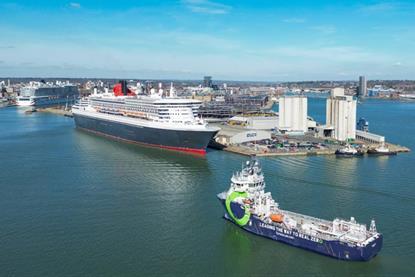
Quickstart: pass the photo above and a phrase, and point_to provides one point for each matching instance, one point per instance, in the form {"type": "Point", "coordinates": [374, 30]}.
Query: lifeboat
{"type": "Point", "coordinates": [277, 217]}
{"type": "Point", "coordinates": [247, 201]}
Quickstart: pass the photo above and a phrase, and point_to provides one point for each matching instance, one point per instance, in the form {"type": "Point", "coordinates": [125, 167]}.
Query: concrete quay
{"type": "Point", "coordinates": [55, 110]}
{"type": "Point", "coordinates": [331, 150]}
{"type": "Point", "coordinates": [249, 151]}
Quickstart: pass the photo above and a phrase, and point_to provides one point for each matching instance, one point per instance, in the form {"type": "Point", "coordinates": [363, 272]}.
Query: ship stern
{"type": "Point", "coordinates": [373, 248]}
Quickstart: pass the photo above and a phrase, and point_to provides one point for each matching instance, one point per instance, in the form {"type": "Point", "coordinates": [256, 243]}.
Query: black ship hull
{"type": "Point", "coordinates": [179, 140]}
{"type": "Point", "coordinates": [373, 152]}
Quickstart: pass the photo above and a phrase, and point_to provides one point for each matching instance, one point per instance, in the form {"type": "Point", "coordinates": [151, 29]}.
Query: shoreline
{"type": "Point", "coordinates": [247, 151]}
{"type": "Point", "coordinates": [54, 110]}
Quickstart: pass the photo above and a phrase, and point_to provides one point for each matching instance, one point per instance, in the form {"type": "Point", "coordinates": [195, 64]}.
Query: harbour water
{"type": "Point", "coordinates": [72, 203]}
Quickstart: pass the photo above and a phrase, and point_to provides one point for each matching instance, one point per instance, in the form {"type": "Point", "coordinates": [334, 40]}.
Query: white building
{"type": "Point", "coordinates": [229, 136]}
{"type": "Point", "coordinates": [293, 113]}
{"type": "Point", "coordinates": [341, 115]}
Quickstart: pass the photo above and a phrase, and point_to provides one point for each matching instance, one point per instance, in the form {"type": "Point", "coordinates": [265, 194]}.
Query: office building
{"type": "Point", "coordinates": [362, 90]}
{"type": "Point", "coordinates": [207, 82]}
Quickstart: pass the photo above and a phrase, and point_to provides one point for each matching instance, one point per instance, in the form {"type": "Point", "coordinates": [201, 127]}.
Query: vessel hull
{"type": "Point", "coordinates": [376, 153]}
{"type": "Point", "coordinates": [342, 154]}
{"type": "Point", "coordinates": [179, 140]}
{"type": "Point", "coordinates": [331, 248]}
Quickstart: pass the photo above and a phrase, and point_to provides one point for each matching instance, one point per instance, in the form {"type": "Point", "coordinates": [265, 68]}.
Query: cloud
{"type": "Point", "coordinates": [206, 6]}
{"type": "Point", "coordinates": [75, 5]}
{"type": "Point", "coordinates": [294, 20]}
{"type": "Point", "coordinates": [324, 29]}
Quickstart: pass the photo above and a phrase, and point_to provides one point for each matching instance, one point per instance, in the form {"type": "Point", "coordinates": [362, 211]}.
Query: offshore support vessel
{"type": "Point", "coordinates": [153, 120]}
{"type": "Point", "coordinates": [254, 210]}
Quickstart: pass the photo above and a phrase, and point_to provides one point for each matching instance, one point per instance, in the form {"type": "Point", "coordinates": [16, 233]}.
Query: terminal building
{"type": "Point", "coordinates": [369, 137]}
{"type": "Point", "coordinates": [362, 133]}
{"type": "Point", "coordinates": [265, 121]}
{"type": "Point", "coordinates": [341, 115]}
{"type": "Point", "coordinates": [293, 114]}
{"type": "Point", "coordinates": [231, 136]}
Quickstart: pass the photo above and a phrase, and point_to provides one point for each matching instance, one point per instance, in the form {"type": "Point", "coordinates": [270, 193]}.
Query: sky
{"type": "Point", "coordinates": [258, 40]}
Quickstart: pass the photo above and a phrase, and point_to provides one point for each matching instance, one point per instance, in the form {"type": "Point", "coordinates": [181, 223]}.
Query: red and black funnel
{"type": "Point", "coordinates": [121, 89]}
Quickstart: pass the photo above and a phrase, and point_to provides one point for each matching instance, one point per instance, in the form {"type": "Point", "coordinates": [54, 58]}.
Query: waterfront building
{"type": "Point", "coordinates": [293, 113]}
{"type": "Point", "coordinates": [369, 137]}
{"type": "Point", "coordinates": [265, 121]}
{"type": "Point", "coordinates": [341, 115]}
{"type": "Point", "coordinates": [229, 135]}
{"type": "Point", "coordinates": [380, 91]}
{"type": "Point", "coordinates": [362, 91]}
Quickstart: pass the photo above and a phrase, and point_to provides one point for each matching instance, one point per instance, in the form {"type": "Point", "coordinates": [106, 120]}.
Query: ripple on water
{"type": "Point", "coordinates": [76, 203]}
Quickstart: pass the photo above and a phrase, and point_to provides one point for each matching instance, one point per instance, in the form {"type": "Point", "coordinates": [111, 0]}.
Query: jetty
{"type": "Point", "coordinates": [56, 110]}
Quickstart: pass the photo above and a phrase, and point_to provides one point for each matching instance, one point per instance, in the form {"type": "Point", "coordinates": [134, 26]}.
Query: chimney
{"type": "Point", "coordinates": [124, 87]}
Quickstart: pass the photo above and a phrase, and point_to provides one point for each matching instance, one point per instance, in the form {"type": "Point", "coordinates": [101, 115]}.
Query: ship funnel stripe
{"type": "Point", "coordinates": [240, 221]}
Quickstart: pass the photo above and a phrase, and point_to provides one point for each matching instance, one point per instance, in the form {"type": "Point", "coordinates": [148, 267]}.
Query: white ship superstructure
{"type": "Point", "coordinates": [167, 122]}
{"type": "Point", "coordinates": [43, 94]}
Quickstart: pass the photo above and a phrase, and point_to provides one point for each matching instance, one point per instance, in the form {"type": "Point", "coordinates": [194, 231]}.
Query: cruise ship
{"type": "Point", "coordinates": [254, 210]}
{"type": "Point", "coordinates": [153, 120]}
{"type": "Point", "coordinates": [46, 94]}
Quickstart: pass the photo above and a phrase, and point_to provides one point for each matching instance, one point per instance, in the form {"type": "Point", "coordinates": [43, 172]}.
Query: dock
{"type": "Point", "coordinates": [56, 110]}
{"type": "Point", "coordinates": [249, 151]}
{"type": "Point", "coordinates": [397, 148]}
{"type": "Point", "coordinates": [261, 152]}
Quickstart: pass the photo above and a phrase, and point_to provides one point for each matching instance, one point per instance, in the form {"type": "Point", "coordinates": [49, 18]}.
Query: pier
{"type": "Point", "coordinates": [249, 151]}
{"type": "Point", "coordinates": [260, 151]}
{"type": "Point", "coordinates": [56, 110]}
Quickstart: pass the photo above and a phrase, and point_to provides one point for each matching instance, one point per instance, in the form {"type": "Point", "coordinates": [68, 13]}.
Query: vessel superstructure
{"type": "Point", "coordinates": [154, 120]}
{"type": "Point", "coordinates": [45, 94]}
{"type": "Point", "coordinates": [348, 151]}
{"type": "Point", "coordinates": [248, 205]}
{"type": "Point", "coordinates": [381, 150]}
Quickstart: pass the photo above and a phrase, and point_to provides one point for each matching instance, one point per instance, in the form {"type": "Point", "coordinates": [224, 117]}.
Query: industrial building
{"type": "Point", "coordinates": [341, 115]}
{"type": "Point", "coordinates": [293, 114]}
{"type": "Point", "coordinates": [369, 137]}
{"type": "Point", "coordinates": [229, 135]}
{"type": "Point", "coordinates": [231, 105]}
{"type": "Point", "coordinates": [255, 121]}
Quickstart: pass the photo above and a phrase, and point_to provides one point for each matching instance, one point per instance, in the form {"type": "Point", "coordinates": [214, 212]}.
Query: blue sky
{"type": "Point", "coordinates": [186, 39]}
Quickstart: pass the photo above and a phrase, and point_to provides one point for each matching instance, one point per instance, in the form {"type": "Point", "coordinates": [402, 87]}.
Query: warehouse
{"type": "Point", "coordinates": [369, 137]}
{"type": "Point", "coordinates": [255, 121]}
{"type": "Point", "coordinates": [229, 135]}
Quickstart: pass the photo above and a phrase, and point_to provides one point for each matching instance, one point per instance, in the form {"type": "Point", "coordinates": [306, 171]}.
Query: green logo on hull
{"type": "Point", "coordinates": [240, 221]}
